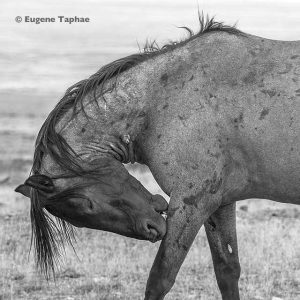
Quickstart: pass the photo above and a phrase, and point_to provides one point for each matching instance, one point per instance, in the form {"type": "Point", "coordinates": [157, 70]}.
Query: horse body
{"type": "Point", "coordinates": [216, 119]}
{"type": "Point", "coordinates": [226, 128]}
{"type": "Point", "coordinates": [232, 98]}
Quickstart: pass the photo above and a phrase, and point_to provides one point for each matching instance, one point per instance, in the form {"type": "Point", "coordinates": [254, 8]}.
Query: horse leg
{"type": "Point", "coordinates": [221, 233]}
{"type": "Point", "coordinates": [186, 214]}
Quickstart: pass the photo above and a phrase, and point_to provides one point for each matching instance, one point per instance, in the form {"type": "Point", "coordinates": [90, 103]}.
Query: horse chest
{"type": "Point", "coordinates": [176, 148]}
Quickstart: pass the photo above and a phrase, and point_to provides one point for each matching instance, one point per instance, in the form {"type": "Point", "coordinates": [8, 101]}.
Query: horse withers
{"type": "Point", "coordinates": [215, 117]}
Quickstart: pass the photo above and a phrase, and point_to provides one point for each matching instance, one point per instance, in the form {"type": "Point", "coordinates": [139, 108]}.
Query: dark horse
{"type": "Point", "coordinates": [215, 117]}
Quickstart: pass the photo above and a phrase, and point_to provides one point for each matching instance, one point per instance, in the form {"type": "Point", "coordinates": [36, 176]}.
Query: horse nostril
{"type": "Point", "coordinates": [155, 229]}
{"type": "Point", "coordinates": [151, 231]}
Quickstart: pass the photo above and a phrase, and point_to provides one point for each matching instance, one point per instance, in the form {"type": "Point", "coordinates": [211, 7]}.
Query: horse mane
{"type": "Point", "coordinates": [46, 234]}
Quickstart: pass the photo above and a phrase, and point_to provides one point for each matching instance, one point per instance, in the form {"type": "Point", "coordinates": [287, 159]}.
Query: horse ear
{"type": "Point", "coordinates": [40, 182]}
{"type": "Point", "coordinates": [24, 190]}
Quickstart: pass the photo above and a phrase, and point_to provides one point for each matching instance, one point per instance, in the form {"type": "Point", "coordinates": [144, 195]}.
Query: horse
{"type": "Point", "coordinates": [215, 117]}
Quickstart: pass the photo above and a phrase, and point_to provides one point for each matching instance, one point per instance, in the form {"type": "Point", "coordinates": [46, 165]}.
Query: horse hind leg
{"type": "Point", "coordinates": [221, 233]}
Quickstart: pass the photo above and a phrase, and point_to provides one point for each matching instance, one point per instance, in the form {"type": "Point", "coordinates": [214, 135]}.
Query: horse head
{"type": "Point", "coordinates": [97, 193]}
{"type": "Point", "coordinates": [112, 200]}
{"type": "Point", "coordinates": [78, 174]}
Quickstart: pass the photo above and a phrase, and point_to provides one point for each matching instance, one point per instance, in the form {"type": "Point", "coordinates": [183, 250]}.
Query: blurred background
{"type": "Point", "coordinates": [38, 63]}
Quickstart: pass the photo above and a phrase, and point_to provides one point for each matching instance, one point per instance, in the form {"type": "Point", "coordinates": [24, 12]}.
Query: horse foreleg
{"type": "Point", "coordinates": [185, 217]}
{"type": "Point", "coordinates": [221, 233]}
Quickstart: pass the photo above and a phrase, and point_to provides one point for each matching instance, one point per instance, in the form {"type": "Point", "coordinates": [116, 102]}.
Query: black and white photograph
{"type": "Point", "coordinates": [150, 150]}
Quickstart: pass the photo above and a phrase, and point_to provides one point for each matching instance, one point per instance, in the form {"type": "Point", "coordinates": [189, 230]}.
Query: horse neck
{"type": "Point", "coordinates": [115, 113]}
{"type": "Point", "coordinates": [139, 92]}
{"type": "Point", "coordinates": [124, 109]}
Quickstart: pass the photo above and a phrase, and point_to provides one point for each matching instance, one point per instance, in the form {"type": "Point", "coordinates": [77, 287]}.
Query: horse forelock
{"type": "Point", "coordinates": [48, 236]}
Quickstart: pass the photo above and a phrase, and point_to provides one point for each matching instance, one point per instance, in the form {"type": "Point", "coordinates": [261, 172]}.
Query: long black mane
{"type": "Point", "coordinates": [47, 235]}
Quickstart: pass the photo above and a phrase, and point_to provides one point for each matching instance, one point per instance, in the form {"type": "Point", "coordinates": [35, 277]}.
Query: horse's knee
{"type": "Point", "coordinates": [230, 270]}
{"type": "Point", "coordinates": [228, 275]}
